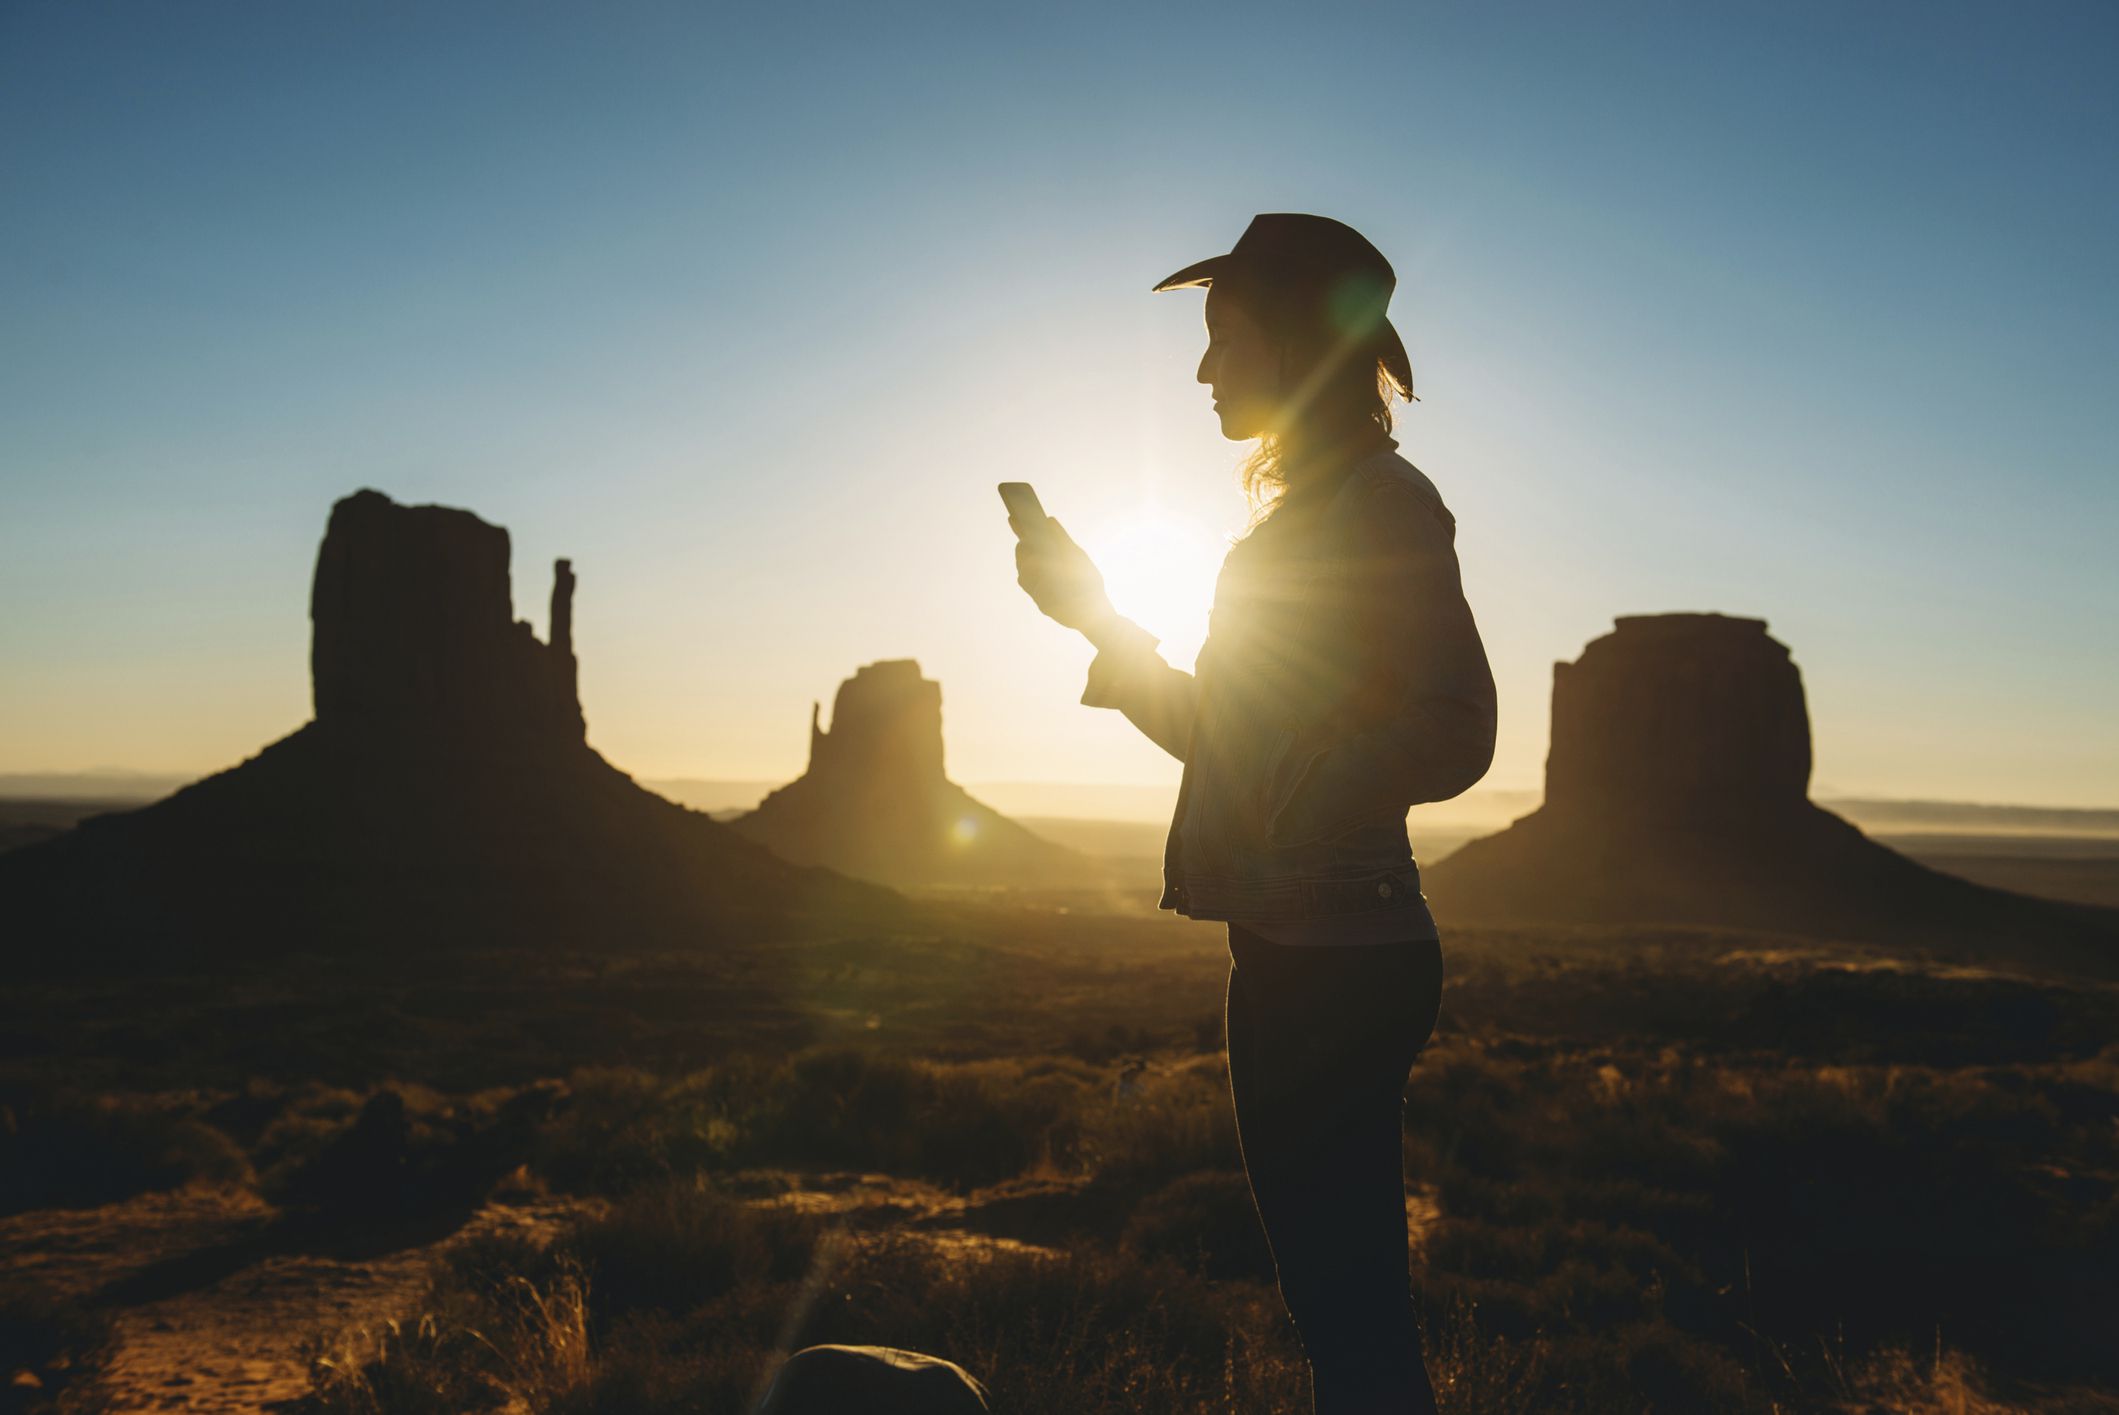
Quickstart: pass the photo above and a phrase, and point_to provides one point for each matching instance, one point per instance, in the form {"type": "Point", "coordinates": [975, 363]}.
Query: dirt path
{"type": "Point", "coordinates": [234, 1337]}
{"type": "Point", "coordinates": [237, 1343]}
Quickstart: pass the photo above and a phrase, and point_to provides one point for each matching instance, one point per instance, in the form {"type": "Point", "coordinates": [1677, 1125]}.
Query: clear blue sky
{"type": "Point", "coordinates": [1799, 311]}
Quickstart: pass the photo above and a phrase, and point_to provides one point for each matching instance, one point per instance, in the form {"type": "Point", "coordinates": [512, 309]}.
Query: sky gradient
{"type": "Point", "coordinates": [1806, 312]}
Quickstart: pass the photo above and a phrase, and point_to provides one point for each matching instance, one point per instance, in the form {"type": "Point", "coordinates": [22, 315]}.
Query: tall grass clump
{"type": "Point", "coordinates": [510, 1342]}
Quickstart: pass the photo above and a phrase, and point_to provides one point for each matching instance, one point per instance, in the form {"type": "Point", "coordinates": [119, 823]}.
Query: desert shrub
{"type": "Point", "coordinates": [1174, 1123]}
{"type": "Point", "coordinates": [1204, 1222]}
{"type": "Point", "coordinates": [674, 1246]}
{"type": "Point", "coordinates": [405, 1152]}
{"type": "Point", "coordinates": [988, 1122]}
{"type": "Point", "coordinates": [415, 1367]}
{"type": "Point", "coordinates": [65, 1148]}
{"type": "Point", "coordinates": [508, 1342]}
{"type": "Point", "coordinates": [845, 1108]}
{"type": "Point", "coordinates": [620, 1129]}
{"type": "Point", "coordinates": [961, 1124]}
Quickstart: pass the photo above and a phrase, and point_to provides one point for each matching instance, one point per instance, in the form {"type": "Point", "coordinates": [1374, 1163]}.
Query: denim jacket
{"type": "Point", "coordinates": [1342, 682]}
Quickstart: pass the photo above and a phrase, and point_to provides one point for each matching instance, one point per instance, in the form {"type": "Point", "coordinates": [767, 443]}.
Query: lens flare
{"type": "Point", "coordinates": [1159, 571]}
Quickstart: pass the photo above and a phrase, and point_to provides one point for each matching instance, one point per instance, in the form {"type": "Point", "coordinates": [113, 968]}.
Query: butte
{"type": "Point", "coordinates": [1677, 792]}
{"type": "Point", "coordinates": [875, 801]}
{"type": "Point", "coordinates": [444, 795]}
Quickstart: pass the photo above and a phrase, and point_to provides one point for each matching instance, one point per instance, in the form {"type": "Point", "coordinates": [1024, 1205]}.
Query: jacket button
{"type": "Point", "coordinates": [1384, 889]}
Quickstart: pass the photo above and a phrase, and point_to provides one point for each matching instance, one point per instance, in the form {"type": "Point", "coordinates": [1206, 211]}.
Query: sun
{"type": "Point", "coordinates": [1159, 570]}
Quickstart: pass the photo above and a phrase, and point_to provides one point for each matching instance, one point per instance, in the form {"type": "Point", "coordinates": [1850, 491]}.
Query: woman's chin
{"type": "Point", "coordinates": [1234, 426]}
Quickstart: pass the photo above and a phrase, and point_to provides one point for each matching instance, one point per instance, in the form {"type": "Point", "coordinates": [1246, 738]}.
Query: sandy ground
{"type": "Point", "coordinates": [239, 1342]}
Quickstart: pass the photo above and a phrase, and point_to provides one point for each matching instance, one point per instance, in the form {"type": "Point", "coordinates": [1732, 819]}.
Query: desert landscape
{"type": "Point", "coordinates": [704, 709]}
{"type": "Point", "coordinates": [456, 1071]}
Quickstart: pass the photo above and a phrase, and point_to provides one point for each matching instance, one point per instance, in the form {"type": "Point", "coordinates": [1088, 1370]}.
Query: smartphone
{"type": "Point", "coordinates": [1023, 507]}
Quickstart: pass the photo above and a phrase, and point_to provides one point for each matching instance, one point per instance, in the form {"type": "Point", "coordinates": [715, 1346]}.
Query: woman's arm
{"type": "Point", "coordinates": [1438, 739]}
{"type": "Point", "coordinates": [1128, 674]}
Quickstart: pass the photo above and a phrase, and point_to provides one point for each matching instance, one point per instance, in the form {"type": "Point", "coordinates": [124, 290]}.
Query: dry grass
{"type": "Point", "coordinates": [1655, 1189]}
{"type": "Point", "coordinates": [516, 1345]}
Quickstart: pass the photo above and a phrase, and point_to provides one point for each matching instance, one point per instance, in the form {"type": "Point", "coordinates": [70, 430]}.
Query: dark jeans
{"type": "Point", "coordinates": [1320, 1041]}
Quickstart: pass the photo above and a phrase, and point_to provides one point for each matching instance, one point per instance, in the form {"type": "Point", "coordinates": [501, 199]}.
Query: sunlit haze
{"type": "Point", "coordinates": [1159, 569]}
{"type": "Point", "coordinates": [1807, 316]}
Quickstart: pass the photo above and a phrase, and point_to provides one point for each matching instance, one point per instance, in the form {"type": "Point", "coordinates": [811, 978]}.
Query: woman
{"type": "Point", "coordinates": [1342, 681]}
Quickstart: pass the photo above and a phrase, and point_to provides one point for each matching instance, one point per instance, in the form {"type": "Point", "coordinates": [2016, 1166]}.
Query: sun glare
{"type": "Point", "coordinates": [1160, 572]}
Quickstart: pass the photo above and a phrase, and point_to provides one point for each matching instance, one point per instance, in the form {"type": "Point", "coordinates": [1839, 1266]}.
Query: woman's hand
{"type": "Point", "coordinates": [1059, 575]}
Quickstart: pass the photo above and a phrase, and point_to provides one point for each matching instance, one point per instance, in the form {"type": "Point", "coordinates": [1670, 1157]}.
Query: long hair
{"type": "Point", "coordinates": [1336, 393]}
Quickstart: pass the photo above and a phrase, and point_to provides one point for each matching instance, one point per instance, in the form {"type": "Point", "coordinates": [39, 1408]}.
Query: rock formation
{"type": "Point", "coordinates": [876, 803]}
{"type": "Point", "coordinates": [1677, 791]}
{"type": "Point", "coordinates": [413, 635]}
{"type": "Point", "coordinates": [1679, 719]}
{"type": "Point", "coordinates": [444, 794]}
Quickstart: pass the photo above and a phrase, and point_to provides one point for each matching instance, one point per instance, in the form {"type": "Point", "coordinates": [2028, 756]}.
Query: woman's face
{"type": "Point", "coordinates": [1242, 368]}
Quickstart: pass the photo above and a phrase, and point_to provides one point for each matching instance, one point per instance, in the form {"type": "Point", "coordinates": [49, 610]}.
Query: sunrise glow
{"type": "Point", "coordinates": [1159, 569]}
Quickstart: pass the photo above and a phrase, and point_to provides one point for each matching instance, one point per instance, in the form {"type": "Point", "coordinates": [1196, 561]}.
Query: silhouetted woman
{"type": "Point", "coordinates": [1342, 681]}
